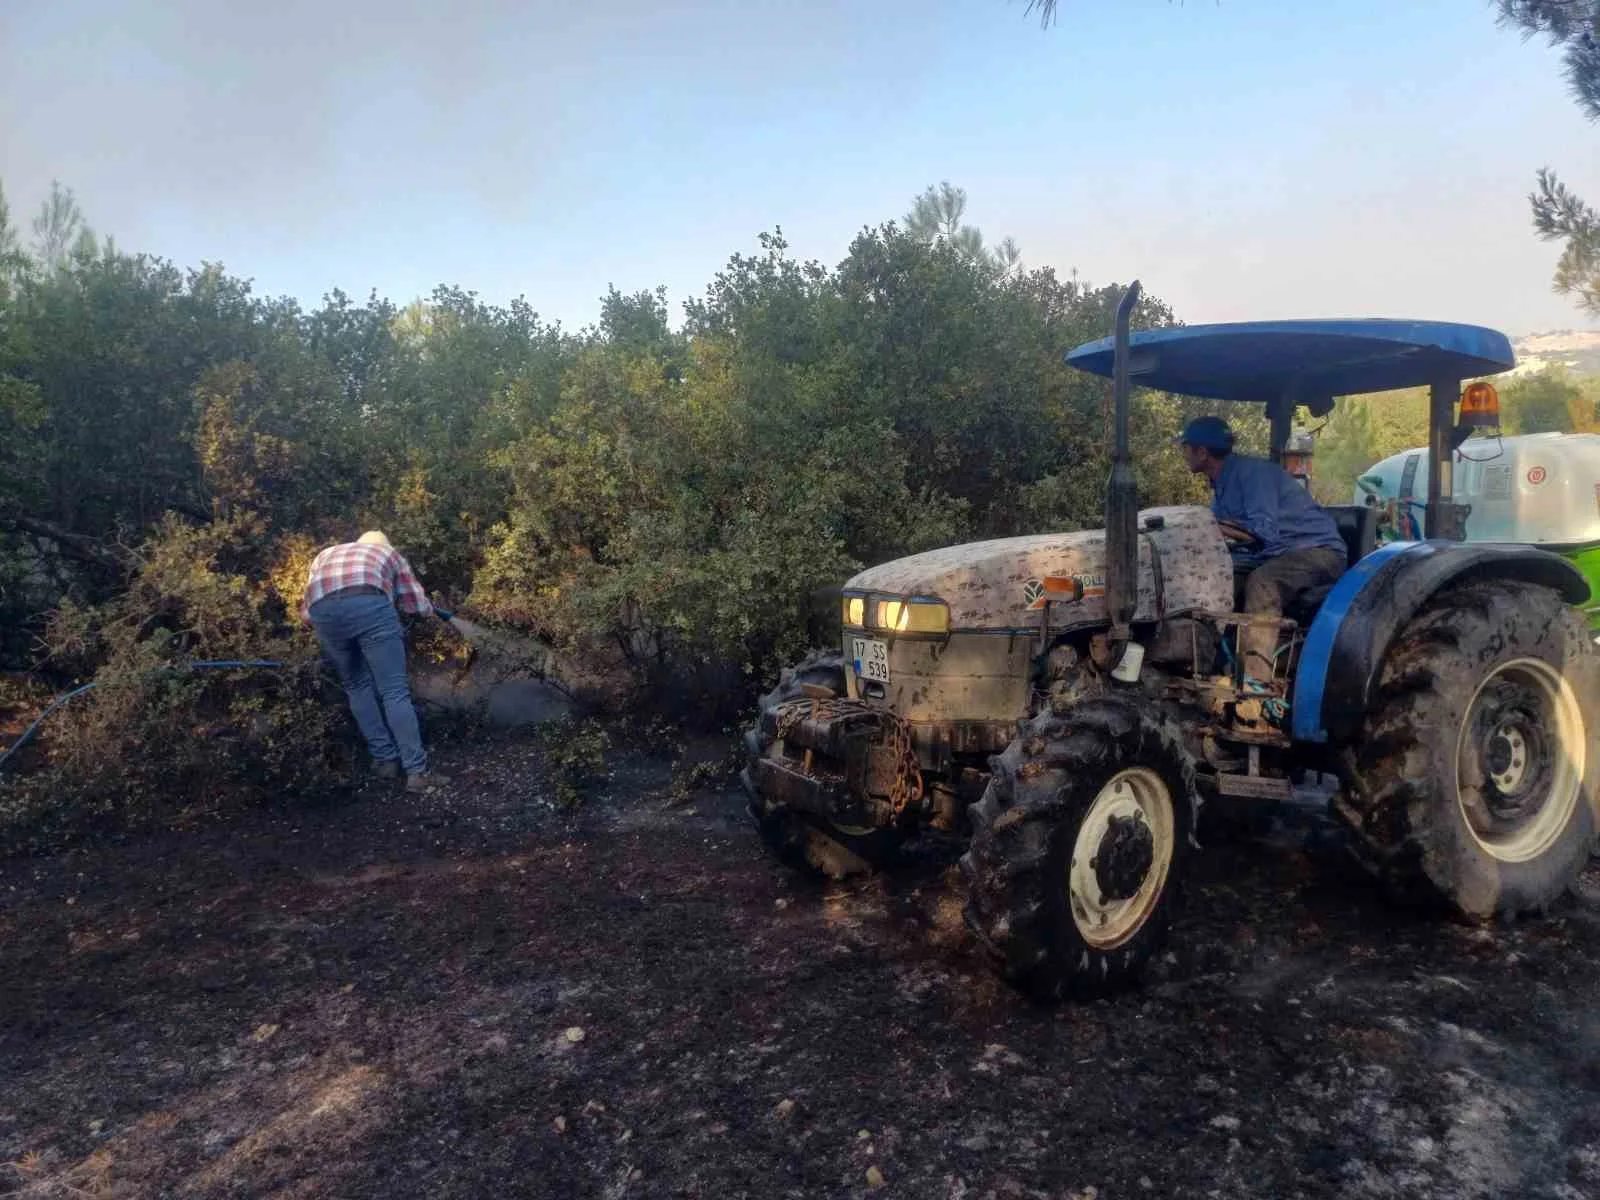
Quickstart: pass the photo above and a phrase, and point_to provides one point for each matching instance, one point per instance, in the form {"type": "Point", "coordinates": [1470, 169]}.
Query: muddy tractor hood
{"type": "Point", "coordinates": [999, 585]}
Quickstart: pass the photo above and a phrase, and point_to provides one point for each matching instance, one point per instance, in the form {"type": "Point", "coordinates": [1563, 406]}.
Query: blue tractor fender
{"type": "Point", "coordinates": [1337, 680]}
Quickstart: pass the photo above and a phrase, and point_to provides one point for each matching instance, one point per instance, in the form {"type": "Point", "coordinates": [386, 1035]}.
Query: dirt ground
{"type": "Point", "coordinates": [479, 995]}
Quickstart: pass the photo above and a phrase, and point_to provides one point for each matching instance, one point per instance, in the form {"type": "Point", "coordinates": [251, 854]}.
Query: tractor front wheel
{"type": "Point", "coordinates": [1475, 782]}
{"type": "Point", "coordinates": [1077, 849]}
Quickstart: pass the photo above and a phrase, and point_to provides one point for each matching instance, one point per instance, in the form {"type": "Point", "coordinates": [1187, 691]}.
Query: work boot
{"type": "Point", "coordinates": [426, 781]}
{"type": "Point", "coordinates": [387, 768]}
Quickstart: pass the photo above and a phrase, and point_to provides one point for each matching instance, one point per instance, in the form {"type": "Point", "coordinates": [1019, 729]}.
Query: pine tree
{"type": "Point", "coordinates": [1558, 215]}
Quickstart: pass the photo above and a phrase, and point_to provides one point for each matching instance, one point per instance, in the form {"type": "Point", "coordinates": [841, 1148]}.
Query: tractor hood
{"type": "Point", "coordinates": [999, 585]}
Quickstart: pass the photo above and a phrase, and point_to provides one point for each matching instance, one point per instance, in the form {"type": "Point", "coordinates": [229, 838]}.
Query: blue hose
{"type": "Point", "coordinates": [221, 664]}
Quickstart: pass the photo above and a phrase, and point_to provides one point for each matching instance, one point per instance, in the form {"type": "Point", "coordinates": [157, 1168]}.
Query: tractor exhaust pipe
{"type": "Point", "coordinates": [1122, 493]}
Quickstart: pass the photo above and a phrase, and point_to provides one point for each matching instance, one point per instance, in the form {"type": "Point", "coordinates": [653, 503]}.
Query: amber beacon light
{"type": "Point", "coordinates": [1480, 406]}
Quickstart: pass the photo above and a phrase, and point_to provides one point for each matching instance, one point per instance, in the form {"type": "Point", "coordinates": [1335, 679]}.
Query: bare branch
{"type": "Point", "coordinates": [74, 545]}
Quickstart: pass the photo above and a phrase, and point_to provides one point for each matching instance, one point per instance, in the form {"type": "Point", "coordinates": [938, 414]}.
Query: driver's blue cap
{"type": "Point", "coordinates": [1209, 433]}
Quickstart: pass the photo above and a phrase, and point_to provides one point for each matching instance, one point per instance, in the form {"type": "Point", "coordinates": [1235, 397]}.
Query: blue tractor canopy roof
{"type": "Point", "coordinates": [1308, 360]}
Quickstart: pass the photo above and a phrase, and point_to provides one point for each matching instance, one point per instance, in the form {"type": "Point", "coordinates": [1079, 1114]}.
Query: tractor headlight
{"type": "Point", "coordinates": [855, 611]}
{"type": "Point", "coordinates": [912, 616]}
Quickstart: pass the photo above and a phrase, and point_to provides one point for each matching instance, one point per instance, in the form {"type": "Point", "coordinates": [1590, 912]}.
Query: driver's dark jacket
{"type": "Point", "coordinates": [1265, 501]}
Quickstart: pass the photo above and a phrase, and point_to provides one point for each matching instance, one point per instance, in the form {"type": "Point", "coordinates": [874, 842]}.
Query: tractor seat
{"type": "Point", "coordinates": [1358, 526]}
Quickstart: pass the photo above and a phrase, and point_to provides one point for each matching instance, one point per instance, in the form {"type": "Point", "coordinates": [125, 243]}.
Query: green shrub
{"type": "Point", "coordinates": [665, 508]}
{"type": "Point", "coordinates": [156, 742]}
{"type": "Point", "coordinates": [577, 756]}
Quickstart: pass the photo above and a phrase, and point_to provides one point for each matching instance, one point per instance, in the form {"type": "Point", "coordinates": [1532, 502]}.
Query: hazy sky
{"type": "Point", "coordinates": [1245, 158]}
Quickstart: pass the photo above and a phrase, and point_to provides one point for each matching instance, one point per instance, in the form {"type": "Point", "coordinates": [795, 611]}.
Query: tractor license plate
{"type": "Point", "coordinates": [871, 659]}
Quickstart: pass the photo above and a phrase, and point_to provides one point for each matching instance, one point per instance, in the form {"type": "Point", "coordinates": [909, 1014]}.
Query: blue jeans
{"type": "Point", "coordinates": [362, 638]}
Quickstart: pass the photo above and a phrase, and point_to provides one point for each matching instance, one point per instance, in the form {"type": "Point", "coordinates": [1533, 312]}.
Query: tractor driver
{"type": "Point", "coordinates": [1283, 543]}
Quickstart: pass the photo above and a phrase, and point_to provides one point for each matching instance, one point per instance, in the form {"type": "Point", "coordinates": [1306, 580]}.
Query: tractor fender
{"type": "Point", "coordinates": [1346, 644]}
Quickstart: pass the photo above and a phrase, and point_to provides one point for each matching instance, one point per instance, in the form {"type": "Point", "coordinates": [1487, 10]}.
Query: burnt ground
{"type": "Point", "coordinates": [481, 995]}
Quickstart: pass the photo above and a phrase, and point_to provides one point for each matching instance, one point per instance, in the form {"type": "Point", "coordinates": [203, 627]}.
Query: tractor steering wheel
{"type": "Point", "coordinates": [1235, 534]}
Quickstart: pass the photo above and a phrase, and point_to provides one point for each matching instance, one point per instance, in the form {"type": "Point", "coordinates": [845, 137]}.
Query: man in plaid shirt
{"type": "Point", "coordinates": [350, 600]}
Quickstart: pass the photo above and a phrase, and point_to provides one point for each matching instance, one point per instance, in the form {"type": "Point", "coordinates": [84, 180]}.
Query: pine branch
{"type": "Point", "coordinates": [1573, 24]}
{"type": "Point", "coordinates": [1047, 12]}
{"type": "Point", "coordinates": [1559, 20]}
{"type": "Point", "coordinates": [1558, 215]}
{"type": "Point", "coordinates": [74, 545]}
{"type": "Point", "coordinates": [1583, 71]}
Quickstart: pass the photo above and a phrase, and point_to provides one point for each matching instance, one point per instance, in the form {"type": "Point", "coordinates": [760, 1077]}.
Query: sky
{"type": "Point", "coordinates": [1246, 159]}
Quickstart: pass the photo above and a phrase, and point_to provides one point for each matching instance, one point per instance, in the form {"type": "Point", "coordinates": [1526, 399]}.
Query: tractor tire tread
{"type": "Point", "coordinates": [1014, 865]}
{"type": "Point", "coordinates": [1401, 802]}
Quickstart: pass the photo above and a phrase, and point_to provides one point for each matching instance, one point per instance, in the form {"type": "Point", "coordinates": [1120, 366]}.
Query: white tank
{"type": "Point", "coordinates": [1534, 488]}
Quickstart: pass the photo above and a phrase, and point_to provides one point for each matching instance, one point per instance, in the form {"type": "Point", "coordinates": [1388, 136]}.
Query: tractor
{"type": "Point", "coordinates": [1065, 706]}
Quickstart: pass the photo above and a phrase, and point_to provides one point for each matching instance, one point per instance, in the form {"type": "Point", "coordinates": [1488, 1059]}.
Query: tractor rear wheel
{"type": "Point", "coordinates": [801, 839]}
{"type": "Point", "coordinates": [1078, 847]}
{"type": "Point", "coordinates": [1475, 780]}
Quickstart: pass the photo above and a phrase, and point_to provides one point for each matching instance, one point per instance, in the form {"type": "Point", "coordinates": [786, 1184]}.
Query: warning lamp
{"type": "Point", "coordinates": [1480, 406]}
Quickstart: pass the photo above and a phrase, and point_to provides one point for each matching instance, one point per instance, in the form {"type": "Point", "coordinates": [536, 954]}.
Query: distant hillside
{"type": "Point", "coordinates": [1576, 349]}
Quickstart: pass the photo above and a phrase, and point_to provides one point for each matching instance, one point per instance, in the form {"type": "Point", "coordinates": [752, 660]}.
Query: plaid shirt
{"type": "Point", "coordinates": [355, 564]}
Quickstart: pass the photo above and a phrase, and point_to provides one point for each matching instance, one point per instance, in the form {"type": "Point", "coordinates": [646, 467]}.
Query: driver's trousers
{"type": "Point", "coordinates": [1269, 589]}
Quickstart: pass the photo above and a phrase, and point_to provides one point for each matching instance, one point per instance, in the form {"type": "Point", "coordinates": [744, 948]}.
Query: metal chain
{"type": "Point", "coordinates": [792, 712]}
{"type": "Point", "coordinates": [907, 788]}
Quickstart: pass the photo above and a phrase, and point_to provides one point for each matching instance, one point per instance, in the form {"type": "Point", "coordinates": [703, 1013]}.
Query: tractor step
{"type": "Point", "coordinates": [1260, 735]}
{"type": "Point", "coordinates": [1254, 787]}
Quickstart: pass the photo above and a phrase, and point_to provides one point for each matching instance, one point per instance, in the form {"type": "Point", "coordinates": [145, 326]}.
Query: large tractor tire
{"type": "Point", "coordinates": [1078, 847]}
{"type": "Point", "coordinates": [803, 840]}
{"type": "Point", "coordinates": [1475, 780]}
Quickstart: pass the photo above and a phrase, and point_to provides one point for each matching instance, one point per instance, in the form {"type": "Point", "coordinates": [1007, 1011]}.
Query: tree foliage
{"type": "Point", "coordinates": [668, 500]}
{"type": "Point", "coordinates": [1363, 430]}
{"type": "Point", "coordinates": [938, 213]}
{"type": "Point", "coordinates": [1046, 10]}
{"type": "Point", "coordinates": [1558, 215]}
{"type": "Point", "coordinates": [1573, 25]}
{"type": "Point", "coordinates": [58, 228]}
{"type": "Point", "coordinates": [1550, 401]}
{"type": "Point", "coordinates": [155, 741]}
